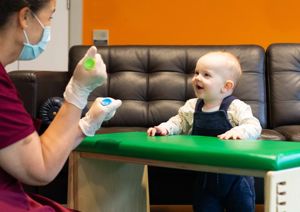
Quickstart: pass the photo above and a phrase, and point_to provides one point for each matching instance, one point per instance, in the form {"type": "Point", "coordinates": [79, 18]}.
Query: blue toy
{"type": "Point", "coordinates": [106, 101]}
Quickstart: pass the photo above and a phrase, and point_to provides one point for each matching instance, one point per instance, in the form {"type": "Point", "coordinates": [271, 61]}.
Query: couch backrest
{"type": "Point", "coordinates": [154, 81]}
{"type": "Point", "coordinates": [283, 66]}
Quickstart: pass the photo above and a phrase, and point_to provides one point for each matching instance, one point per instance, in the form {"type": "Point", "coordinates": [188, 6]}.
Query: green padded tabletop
{"type": "Point", "coordinates": [201, 150]}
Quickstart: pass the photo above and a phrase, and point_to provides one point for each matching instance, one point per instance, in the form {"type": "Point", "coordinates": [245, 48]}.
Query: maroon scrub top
{"type": "Point", "coordinates": [16, 124]}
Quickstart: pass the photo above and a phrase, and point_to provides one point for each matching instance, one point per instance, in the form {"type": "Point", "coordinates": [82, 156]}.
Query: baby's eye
{"type": "Point", "coordinates": [206, 75]}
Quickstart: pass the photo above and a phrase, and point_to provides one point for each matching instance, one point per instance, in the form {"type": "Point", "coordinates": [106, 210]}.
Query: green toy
{"type": "Point", "coordinates": [89, 63]}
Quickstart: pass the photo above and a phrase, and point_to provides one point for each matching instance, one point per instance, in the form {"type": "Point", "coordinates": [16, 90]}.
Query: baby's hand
{"type": "Point", "coordinates": [231, 134]}
{"type": "Point", "coordinates": [152, 131]}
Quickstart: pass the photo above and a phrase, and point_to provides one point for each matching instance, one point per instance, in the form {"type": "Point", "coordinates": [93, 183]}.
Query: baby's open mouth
{"type": "Point", "coordinates": [199, 87]}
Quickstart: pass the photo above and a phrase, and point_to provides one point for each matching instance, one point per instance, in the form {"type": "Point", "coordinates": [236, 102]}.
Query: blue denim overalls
{"type": "Point", "coordinates": [216, 192]}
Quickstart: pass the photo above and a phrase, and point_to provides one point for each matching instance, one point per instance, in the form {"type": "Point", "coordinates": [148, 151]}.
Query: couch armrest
{"type": "Point", "coordinates": [291, 132]}
{"type": "Point", "coordinates": [35, 87]}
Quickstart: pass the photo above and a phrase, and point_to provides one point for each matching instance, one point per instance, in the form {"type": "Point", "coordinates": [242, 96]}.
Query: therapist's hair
{"type": "Point", "coordinates": [10, 7]}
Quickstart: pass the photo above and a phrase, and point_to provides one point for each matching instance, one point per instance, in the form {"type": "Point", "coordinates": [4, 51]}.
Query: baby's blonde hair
{"type": "Point", "coordinates": [232, 62]}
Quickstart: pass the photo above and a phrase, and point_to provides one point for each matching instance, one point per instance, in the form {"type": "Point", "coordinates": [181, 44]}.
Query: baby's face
{"type": "Point", "coordinates": [210, 77]}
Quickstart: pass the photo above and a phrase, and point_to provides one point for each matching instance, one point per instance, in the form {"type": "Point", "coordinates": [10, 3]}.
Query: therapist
{"type": "Point", "coordinates": [26, 157]}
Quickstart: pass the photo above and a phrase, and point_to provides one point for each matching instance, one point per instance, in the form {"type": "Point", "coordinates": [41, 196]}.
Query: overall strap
{"type": "Point", "coordinates": [199, 105]}
{"type": "Point", "coordinates": [226, 102]}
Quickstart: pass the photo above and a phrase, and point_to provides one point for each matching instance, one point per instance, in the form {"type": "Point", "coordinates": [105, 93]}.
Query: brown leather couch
{"type": "Point", "coordinates": [283, 72]}
{"type": "Point", "coordinates": [154, 81]}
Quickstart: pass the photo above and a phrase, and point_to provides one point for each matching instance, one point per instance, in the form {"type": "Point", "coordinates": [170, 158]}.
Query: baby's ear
{"type": "Point", "coordinates": [229, 85]}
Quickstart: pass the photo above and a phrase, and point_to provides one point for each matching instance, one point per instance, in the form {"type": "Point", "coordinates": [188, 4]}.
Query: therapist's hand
{"type": "Point", "coordinates": [85, 78]}
{"type": "Point", "coordinates": [99, 112]}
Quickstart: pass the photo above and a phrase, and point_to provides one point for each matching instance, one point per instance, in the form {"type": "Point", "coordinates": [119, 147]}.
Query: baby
{"type": "Point", "coordinates": [215, 112]}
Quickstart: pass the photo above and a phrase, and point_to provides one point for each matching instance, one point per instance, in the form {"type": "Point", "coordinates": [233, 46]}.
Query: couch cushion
{"type": "Point", "coordinates": [283, 65]}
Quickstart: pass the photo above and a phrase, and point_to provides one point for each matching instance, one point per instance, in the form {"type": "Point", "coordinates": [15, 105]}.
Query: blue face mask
{"type": "Point", "coordinates": [32, 51]}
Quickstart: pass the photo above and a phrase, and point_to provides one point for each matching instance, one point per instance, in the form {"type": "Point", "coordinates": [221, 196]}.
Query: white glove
{"type": "Point", "coordinates": [101, 110]}
{"type": "Point", "coordinates": [86, 78]}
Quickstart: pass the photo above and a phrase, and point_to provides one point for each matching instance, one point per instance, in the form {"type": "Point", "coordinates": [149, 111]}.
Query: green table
{"type": "Point", "coordinates": [109, 171]}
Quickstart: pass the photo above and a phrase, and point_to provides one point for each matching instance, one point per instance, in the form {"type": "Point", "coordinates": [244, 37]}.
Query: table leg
{"type": "Point", "coordinates": [282, 190]}
{"type": "Point", "coordinates": [107, 186]}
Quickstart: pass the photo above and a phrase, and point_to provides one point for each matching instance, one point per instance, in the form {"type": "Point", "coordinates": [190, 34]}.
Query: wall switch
{"type": "Point", "coordinates": [100, 37]}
